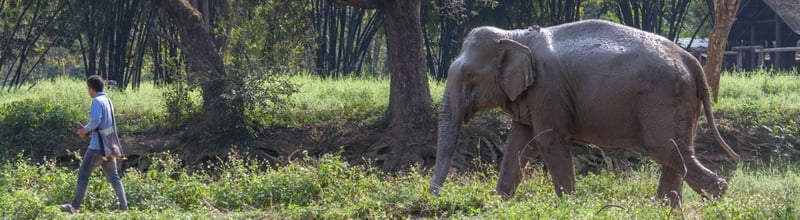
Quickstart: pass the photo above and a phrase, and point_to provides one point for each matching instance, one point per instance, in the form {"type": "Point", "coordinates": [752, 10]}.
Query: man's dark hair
{"type": "Point", "coordinates": [96, 82]}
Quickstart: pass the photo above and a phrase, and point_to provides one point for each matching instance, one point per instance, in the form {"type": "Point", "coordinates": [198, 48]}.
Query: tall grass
{"type": "Point", "coordinates": [333, 102]}
{"type": "Point", "coordinates": [140, 109]}
{"type": "Point", "coordinates": [760, 98]}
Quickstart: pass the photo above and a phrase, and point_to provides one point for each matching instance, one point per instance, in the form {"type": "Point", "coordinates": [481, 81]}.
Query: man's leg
{"type": "Point", "coordinates": [91, 159]}
{"type": "Point", "coordinates": [110, 171]}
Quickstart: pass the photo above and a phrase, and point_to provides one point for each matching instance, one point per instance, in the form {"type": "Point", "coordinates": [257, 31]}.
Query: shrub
{"type": "Point", "coordinates": [36, 123]}
{"type": "Point", "coordinates": [179, 103]}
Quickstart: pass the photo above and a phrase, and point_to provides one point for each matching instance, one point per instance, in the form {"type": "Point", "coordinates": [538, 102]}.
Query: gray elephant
{"type": "Point", "coordinates": [591, 81]}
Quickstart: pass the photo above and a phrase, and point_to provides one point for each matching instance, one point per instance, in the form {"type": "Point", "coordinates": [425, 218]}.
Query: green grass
{"type": "Point", "coordinates": [141, 110]}
{"type": "Point", "coordinates": [329, 188]}
{"type": "Point", "coordinates": [760, 99]}
{"type": "Point", "coordinates": [333, 102]}
{"type": "Point", "coordinates": [747, 99]}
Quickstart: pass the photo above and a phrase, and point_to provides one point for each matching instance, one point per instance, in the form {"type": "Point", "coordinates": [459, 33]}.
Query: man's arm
{"type": "Point", "coordinates": [95, 114]}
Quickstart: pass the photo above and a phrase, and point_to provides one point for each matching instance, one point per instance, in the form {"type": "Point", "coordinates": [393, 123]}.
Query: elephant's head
{"type": "Point", "coordinates": [491, 69]}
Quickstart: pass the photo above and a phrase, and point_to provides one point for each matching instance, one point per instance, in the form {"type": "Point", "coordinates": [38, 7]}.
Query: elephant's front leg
{"type": "Point", "coordinates": [518, 152]}
{"type": "Point", "coordinates": [557, 157]}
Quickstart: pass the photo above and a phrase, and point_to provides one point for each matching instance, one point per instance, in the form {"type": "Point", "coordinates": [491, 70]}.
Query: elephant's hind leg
{"type": "Point", "coordinates": [678, 162]}
{"type": "Point", "coordinates": [706, 183]}
{"type": "Point", "coordinates": [669, 185]}
{"type": "Point", "coordinates": [673, 171]}
{"type": "Point", "coordinates": [519, 150]}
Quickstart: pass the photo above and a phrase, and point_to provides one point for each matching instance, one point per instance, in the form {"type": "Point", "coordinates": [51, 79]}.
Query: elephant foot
{"type": "Point", "coordinates": [715, 189]}
{"type": "Point", "coordinates": [671, 198]}
{"type": "Point", "coordinates": [504, 192]}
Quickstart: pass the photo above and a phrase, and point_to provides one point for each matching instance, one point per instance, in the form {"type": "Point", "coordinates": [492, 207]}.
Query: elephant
{"type": "Point", "coordinates": [591, 81]}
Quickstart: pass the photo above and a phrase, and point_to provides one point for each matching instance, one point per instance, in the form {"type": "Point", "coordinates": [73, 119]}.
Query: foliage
{"type": "Point", "coordinates": [112, 36]}
{"type": "Point", "coordinates": [330, 188]}
{"type": "Point", "coordinates": [760, 98]}
{"type": "Point", "coordinates": [748, 100]}
{"type": "Point", "coordinates": [38, 119]}
{"type": "Point", "coordinates": [179, 103]}
{"type": "Point", "coordinates": [658, 16]}
{"type": "Point", "coordinates": [28, 29]}
{"type": "Point", "coordinates": [335, 101]}
{"type": "Point", "coordinates": [273, 33]}
{"type": "Point", "coordinates": [80, 35]}
{"type": "Point", "coordinates": [36, 122]}
{"type": "Point", "coordinates": [344, 36]}
{"type": "Point", "coordinates": [260, 88]}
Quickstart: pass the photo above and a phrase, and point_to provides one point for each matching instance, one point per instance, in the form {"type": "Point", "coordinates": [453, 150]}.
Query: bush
{"type": "Point", "coordinates": [179, 104]}
{"type": "Point", "coordinates": [35, 123]}
{"type": "Point", "coordinates": [28, 188]}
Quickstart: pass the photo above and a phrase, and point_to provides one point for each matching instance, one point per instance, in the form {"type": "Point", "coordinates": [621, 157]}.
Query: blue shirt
{"type": "Point", "coordinates": [99, 116]}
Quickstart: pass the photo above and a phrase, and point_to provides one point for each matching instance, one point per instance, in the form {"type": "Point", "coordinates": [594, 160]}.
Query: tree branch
{"type": "Point", "coordinates": [168, 38]}
{"type": "Point", "coordinates": [362, 4]}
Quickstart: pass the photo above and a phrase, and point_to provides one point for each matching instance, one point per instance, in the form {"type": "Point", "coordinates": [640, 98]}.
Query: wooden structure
{"type": "Point", "coordinates": [766, 34]}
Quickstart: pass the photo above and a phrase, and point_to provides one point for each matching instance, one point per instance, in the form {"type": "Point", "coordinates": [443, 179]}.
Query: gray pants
{"type": "Point", "coordinates": [91, 160]}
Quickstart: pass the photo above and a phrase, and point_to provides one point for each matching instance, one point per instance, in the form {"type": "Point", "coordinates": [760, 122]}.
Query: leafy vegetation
{"type": "Point", "coordinates": [329, 188]}
{"type": "Point", "coordinates": [338, 100]}
{"type": "Point", "coordinates": [760, 98]}
{"type": "Point", "coordinates": [750, 99]}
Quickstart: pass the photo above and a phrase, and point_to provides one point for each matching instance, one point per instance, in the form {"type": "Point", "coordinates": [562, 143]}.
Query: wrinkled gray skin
{"type": "Point", "coordinates": [592, 81]}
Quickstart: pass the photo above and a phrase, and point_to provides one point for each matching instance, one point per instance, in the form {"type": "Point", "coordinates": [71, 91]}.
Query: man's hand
{"type": "Point", "coordinates": [82, 132]}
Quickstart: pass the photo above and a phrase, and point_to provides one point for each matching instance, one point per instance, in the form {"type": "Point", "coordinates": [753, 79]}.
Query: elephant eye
{"type": "Point", "coordinates": [467, 88]}
{"type": "Point", "coordinates": [468, 74]}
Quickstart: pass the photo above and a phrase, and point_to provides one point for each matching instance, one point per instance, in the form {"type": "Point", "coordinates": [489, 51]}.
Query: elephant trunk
{"type": "Point", "coordinates": [450, 120]}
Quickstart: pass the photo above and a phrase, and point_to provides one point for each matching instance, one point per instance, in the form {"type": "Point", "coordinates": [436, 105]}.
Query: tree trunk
{"type": "Point", "coordinates": [223, 112]}
{"type": "Point", "coordinates": [410, 104]}
{"type": "Point", "coordinates": [724, 16]}
{"type": "Point", "coordinates": [410, 113]}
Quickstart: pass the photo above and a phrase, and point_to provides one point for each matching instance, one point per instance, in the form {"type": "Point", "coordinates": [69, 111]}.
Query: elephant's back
{"type": "Point", "coordinates": [601, 47]}
{"type": "Point", "coordinates": [604, 39]}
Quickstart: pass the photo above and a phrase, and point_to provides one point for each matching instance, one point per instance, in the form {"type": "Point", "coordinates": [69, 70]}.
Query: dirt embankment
{"type": "Point", "coordinates": [480, 142]}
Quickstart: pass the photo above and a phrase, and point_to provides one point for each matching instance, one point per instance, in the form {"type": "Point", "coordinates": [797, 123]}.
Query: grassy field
{"type": "Point", "coordinates": [746, 99]}
{"type": "Point", "coordinates": [329, 188]}
{"type": "Point", "coordinates": [760, 98]}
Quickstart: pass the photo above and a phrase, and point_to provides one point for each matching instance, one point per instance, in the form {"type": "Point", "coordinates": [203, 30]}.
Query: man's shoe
{"type": "Point", "coordinates": [68, 209]}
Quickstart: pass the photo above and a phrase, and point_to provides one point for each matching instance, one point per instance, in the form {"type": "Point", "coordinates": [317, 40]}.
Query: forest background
{"type": "Point", "coordinates": [287, 82]}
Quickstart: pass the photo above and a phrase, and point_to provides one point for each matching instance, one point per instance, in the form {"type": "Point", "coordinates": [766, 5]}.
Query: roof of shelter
{"type": "Point", "coordinates": [788, 11]}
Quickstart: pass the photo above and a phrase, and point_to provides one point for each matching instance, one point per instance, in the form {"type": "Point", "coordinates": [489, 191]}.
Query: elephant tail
{"type": "Point", "coordinates": [702, 87]}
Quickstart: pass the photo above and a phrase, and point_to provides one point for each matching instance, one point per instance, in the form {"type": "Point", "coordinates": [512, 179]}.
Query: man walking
{"type": "Point", "coordinates": [101, 124]}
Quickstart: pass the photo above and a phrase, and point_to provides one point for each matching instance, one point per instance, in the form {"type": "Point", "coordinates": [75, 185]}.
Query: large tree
{"type": "Point", "coordinates": [410, 107]}
{"type": "Point", "coordinates": [223, 110]}
{"type": "Point", "coordinates": [410, 104]}
{"type": "Point", "coordinates": [724, 16]}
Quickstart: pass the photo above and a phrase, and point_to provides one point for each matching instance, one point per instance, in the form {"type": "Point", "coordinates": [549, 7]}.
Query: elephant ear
{"type": "Point", "coordinates": [516, 68]}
